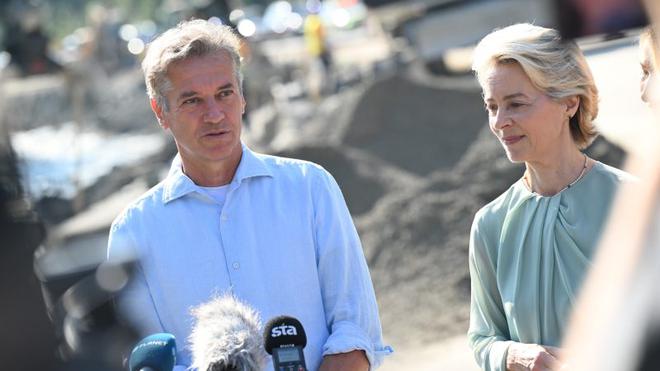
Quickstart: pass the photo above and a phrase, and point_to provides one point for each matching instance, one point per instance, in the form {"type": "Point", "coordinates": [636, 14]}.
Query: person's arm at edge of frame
{"type": "Point", "coordinates": [355, 341]}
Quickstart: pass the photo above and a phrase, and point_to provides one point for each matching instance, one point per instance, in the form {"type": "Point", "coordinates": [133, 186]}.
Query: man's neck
{"type": "Point", "coordinates": [212, 174]}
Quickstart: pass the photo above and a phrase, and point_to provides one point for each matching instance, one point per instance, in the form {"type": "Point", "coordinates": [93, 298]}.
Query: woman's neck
{"type": "Point", "coordinates": [553, 175]}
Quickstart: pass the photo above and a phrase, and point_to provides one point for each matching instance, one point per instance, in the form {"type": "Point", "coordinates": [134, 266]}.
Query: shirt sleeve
{"type": "Point", "coordinates": [488, 333]}
{"type": "Point", "coordinates": [134, 303]}
{"type": "Point", "coordinates": [348, 295]}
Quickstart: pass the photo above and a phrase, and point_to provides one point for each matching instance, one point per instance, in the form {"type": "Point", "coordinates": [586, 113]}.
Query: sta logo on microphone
{"type": "Point", "coordinates": [283, 330]}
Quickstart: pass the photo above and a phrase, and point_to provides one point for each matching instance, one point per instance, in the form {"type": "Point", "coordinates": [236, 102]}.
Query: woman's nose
{"type": "Point", "coordinates": [500, 120]}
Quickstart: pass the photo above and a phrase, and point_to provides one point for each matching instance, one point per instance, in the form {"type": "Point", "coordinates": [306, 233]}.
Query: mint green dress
{"type": "Point", "coordinates": [528, 256]}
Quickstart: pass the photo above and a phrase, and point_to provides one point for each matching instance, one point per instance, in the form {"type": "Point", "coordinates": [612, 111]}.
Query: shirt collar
{"type": "Point", "coordinates": [177, 184]}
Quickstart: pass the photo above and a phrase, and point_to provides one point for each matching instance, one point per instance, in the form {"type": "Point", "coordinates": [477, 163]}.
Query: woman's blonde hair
{"type": "Point", "coordinates": [649, 39]}
{"type": "Point", "coordinates": [556, 67]}
{"type": "Point", "coordinates": [194, 38]}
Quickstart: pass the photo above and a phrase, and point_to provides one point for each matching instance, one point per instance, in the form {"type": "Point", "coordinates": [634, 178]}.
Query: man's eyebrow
{"type": "Point", "coordinates": [186, 94]}
{"type": "Point", "coordinates": [192, 93]}
{"type": "Point", "coordinates": [226, 86]}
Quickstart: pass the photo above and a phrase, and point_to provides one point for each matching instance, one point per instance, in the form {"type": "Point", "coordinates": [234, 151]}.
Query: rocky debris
{"type": "Point", "coordinates": [117, 103]}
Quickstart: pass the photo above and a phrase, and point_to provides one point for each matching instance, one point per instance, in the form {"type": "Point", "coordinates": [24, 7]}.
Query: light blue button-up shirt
{"type": "Point", "coordinates": [283, 242]}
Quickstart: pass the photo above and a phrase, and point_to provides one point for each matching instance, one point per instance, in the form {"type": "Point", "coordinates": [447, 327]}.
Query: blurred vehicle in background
{"type": "Point", "coordinates": [443, 27]}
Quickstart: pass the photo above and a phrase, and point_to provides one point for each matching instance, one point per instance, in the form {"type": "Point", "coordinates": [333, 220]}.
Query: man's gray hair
{"type": "Point", "coordinates": [194, 38]}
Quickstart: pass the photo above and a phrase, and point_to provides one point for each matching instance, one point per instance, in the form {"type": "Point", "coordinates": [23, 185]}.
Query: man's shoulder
{"type": "Point", "coordinates": [291, 167]}
{"type": "Point", "coordinates": [148, 202]}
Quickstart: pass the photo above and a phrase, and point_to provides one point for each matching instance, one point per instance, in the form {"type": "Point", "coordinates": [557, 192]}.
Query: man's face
{"type": "Point", "coordinates": [205, 106]}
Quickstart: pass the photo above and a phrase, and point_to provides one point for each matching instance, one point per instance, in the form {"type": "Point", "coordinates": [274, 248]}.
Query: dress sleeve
{"type": "Point", "coordinates": [488, 333]}
{"type": "Point", "coordinates": [348, 295]}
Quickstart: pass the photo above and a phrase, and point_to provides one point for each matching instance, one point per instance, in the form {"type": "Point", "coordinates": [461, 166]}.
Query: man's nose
{"type": "Point", "coordinates": [213, 111]}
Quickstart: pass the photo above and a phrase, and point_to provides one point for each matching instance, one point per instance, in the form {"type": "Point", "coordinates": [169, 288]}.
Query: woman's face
{"type": "Point", "coordinates": [530, 125]}
{"type": "Point", "coordinates": [648, 83]}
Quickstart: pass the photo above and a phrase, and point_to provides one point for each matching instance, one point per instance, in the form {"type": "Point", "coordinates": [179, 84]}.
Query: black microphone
{"type": "Point", "coordinates": [226, 336]}
{"type": "Point", "coordinates": [156, 352]}
{"type": "Point", "coordinates": [284, 339]}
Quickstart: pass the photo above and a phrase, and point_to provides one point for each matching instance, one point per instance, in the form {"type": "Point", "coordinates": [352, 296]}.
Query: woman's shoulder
{"type": "Point", "coordinates": [603, 181]}
{"type": "Point", "coordinates": [612, 174]}
{"type": "Point", "coordinates": [494, 212]}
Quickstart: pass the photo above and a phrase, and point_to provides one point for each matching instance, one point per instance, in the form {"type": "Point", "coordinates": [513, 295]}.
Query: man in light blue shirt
{"type": "Point", "coordinates": [275, 232]}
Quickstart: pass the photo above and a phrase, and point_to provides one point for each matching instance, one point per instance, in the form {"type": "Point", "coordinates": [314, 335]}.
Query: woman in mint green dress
{"type": "Point", "coordinates": [530, 247]}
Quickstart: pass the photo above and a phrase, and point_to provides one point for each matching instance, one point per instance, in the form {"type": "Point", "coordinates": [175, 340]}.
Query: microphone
{"type": "Point", "coordinates": [226, 336]}
{"type": "Point", "coordinates": [284, 339]}
{"type": "Point", "coordinates": [156, 352]}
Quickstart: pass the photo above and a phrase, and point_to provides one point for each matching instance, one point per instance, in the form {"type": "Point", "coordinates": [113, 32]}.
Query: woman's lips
{"type": "Point", "coordinates": [512, 139]}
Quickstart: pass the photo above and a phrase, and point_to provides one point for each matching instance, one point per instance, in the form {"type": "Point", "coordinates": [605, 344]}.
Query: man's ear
{"type": "Point", "coordinates": [572, 105]}
{"type": "Point", "coordinates": [158, 111]}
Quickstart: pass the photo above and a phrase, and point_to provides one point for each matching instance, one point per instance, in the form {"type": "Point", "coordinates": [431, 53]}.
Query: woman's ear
{"type": "Point", "coordinates": [572, 105]}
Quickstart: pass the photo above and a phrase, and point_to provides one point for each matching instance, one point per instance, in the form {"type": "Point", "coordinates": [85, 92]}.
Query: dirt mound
{"type": "Point", "coordinates": [363, 179]}
{"type": "Point", "coordinates": [416, 243]}
{"type": "Point", "coordinates": [418, 127]}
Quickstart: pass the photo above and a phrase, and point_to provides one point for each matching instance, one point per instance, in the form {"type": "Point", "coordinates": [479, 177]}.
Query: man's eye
{"type": "Point", "coordinates": [191, 101]}
{"type": "Point", "coordinates": [225, 93]}
{"type": "Point", "coordinates": [516, 105]}
{"type": "Point", "coordinates": [490, 108]}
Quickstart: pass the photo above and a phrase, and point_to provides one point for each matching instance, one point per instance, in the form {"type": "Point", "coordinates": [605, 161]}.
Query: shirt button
{"type": "Point", "coordinates": [224, 217]}
{"type": "Point", "coordinates": [236, 265]}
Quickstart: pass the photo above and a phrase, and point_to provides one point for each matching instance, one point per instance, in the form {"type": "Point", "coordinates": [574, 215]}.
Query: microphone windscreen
{"type": "Point", "coordinates": [157, 351]}
{"type": "Point", "coordinates": [284, 331]}
{"type": "Point", "coordinates": [226, 335]}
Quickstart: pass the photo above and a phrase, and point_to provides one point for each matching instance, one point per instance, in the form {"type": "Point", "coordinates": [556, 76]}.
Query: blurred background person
{"type": "Point", "coordinates": [27, 337]}
{"type": "Point", "coordinates": [616, 325]}
{"type": "Point", "coordinates": [317, 47]}
{"type": "Point", "coordinates": [29, 44]}
{"type": "Point", "coordinates": [648, 41]}
{"type": "Point", "coordinates": [530, 247]}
